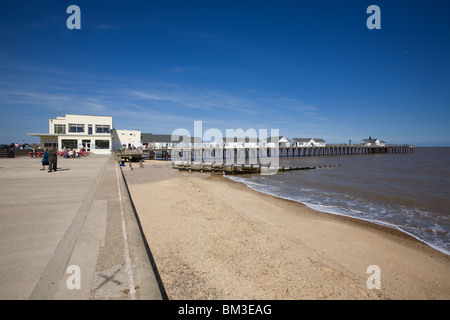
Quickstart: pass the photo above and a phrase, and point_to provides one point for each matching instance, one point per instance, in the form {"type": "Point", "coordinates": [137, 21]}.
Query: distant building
{"type": "Point", "coordinates": [373, 142]}
{"type": "Point", "coordinates": [127, 139]}
{"type": "Point", "coordinates": [196, 142]}
{"type": "Point", "coordinates": [93, 133]}
{"type": "Point", "coordinates": [234, 142]}
{"type": "Point", "coordinates": [160, 140]}
{"type": "Point", "coordinates": [308, 142]}
{"type": "Point", "coordinates": [282, 142]}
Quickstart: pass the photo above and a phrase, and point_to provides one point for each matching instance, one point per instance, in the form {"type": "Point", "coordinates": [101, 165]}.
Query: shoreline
{"type": "Point", "coordinates": [371, 223]}
{"type": "Point", "coordinates": [215, 238]}
{"type": "Point", "coordinates": [384, 229]}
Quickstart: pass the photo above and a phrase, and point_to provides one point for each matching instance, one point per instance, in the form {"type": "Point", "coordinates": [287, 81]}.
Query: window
{"type": "Point", "coordinates": [89, 128]}
{"type": "Point", "coordinates": [49, 143]}
{"type": "Point", "coordinates": [101, 144]}
{"type": "Point", "coordinates": [100, 128]}
{"type": "Point", "coordinates": [59, 128]}
{"type": "Point", "coordinates": [76, 127]}
{"type": "Point", "coordinates": [69, 144]}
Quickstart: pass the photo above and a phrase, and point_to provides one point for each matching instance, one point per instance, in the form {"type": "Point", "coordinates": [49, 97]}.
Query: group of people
{"type": "Point", "coordinates": [69, 153]}
{"type": "Point", "coordinates": [49, 159]}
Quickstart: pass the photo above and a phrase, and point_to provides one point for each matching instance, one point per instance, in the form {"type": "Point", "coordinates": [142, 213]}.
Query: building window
{"type": "Point", "coordinates": [101, 144]}
{"type": "Point", "coordinates": [69, 144]}
{"type": "Point", "coordinates": [89, 128]}
{"type": "Point", "coordinates": [49, 143]}
{"type": "Point", "coordinates": [99, 128]}
{"type": "Point", "coordinates": [59, 129]}
{"type": "Point", "coordinates": [76, 127]}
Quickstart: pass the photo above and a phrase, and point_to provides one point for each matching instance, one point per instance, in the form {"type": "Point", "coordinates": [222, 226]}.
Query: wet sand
{"type": "Point", "coordinates": [213, 238]}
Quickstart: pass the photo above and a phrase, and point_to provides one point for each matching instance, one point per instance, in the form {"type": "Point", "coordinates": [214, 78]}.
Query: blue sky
{"type": "Point", "coordinates": [307, 68]}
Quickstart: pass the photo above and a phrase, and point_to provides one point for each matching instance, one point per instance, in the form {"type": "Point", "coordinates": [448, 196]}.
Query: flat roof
{"type": "Point", "coordinates": [82, 115]}
{"type": "Point", "coordinates": [43, 134]}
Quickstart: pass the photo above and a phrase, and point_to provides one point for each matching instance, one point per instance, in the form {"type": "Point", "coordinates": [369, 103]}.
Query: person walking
{"type": "Point", "coordinates": [52, 159]}
{"type": "Point", "coordinates": [45, 159]}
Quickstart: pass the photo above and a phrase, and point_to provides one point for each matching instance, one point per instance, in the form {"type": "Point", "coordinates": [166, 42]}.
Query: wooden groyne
{"type": "Point", "coordinates": [231, 168]}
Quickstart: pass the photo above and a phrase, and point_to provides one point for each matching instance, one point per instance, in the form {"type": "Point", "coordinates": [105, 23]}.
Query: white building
{"type": "Point", "coordinates": [92, 133]}
{"type": "Point", "coordinates": [234, 142]}
{"type": "Point", "coordinates": [373, 142]}
{"type": "Point", "coordinates": [127, 139]}
{"type": "Point", "coordinates": [282, 142]}
{"type": "Point", "coordinates": [308, 142]}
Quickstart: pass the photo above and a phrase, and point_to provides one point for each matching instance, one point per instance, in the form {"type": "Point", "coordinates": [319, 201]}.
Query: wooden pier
{"type": "Point", "coordinates": [248, 160]}
{"type": "Point", "coordinates": [233, 154]}
{"type": "Point", "coordinates": [339, 150]}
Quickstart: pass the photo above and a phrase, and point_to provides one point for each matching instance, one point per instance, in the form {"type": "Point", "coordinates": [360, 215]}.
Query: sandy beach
{"type": "Point", "coordinates": [213, 238]}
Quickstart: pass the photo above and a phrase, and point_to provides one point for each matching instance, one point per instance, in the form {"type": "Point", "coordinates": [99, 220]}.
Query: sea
{"type": "Point", "coordinates": [408, 192]}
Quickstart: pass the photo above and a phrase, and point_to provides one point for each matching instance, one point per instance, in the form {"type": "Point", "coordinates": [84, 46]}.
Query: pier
{"type": "Point", "coordinates": [339, 150]}
{"type": "Point", "coordinates": [208, 153]}
{"type": "Point", "coordinates": [227, 160]}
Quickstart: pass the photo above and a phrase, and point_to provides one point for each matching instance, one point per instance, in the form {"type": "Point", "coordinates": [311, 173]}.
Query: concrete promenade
{"type": "Point", "coordinates": [71, 234]}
